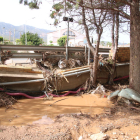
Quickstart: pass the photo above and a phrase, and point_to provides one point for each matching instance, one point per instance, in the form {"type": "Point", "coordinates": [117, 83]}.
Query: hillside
{"type": "Point", "coordinates": [19, 30]}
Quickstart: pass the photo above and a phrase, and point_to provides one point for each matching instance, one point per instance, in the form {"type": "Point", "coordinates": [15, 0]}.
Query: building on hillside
{"type": "Point", "coordinates": [76, 39]}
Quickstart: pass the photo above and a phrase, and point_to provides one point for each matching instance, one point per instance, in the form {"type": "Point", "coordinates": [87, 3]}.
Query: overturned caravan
{"type": "Point", "coordinates": [34, 80]}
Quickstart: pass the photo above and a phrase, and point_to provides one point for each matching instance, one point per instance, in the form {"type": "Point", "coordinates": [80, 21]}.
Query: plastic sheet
{"type": "Point", "coordinates": [127, 93]}
{"type": "Point", "coordinates": [100, 90]}
{"type": "Point", "coordinates": [61, 64]}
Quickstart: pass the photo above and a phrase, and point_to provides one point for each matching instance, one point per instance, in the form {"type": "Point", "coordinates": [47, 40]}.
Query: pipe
{"type": "Point", "coordinates": [75, 73]}
{"type": "Point", "coordinates": [73, 92]}
{"type": "Point", "coordinates": [23, 94]}
{"type": "Point", "coordinates": [75, 70]}
{"type": "Point", "coordinates": [20, 82]}
{"type": "Point", "coordinates": [67, 42]}
{"type": "Point", "coordinates": [50, 94]}
{"type": "Point", "coordinates": [124, 77]}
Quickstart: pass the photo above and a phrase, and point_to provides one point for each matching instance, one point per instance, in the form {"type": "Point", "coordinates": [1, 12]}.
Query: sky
{"type": "Point", "coordinates": [17, 14]}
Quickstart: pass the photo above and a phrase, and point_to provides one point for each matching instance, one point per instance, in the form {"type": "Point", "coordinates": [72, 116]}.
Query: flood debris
{"type": "Point", "coordinates": [6, 100]}
{"type": "Point", "coordinates": [99, 90]}
{"type": "Point", "coordinates": [127, 93]}
{"type": "Point", "coordinates": [71, 63]}
{"type": "Point", "coordinates": [61, 64]}
{"type": "Point", "coordinates": [75, 59]}
{"type": "Point", "coordinates": [126, 96]}
{"type": "Point", "coordinates": [58, 101]}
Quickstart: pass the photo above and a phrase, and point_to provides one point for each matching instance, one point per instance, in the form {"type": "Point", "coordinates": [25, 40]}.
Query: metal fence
{"type": "Point", "coordinates": [39, 49]}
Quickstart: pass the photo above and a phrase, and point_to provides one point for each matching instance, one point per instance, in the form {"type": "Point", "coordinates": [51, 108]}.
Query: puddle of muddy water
{"type": "Point", "coordinates": [44, 120]}
{"type": "Point", "coordinates": [28, 111]}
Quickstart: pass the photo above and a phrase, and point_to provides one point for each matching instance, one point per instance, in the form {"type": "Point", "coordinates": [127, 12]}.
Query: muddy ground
{"type": "Point", "coordinates": [72, 118]}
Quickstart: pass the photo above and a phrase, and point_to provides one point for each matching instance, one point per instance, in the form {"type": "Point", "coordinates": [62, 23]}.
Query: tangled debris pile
{"type": "Point", "coordinates": [6, 100]}
{"type": "Point", "coordinates": [71, 63]}
{"type": "Point", "coordinates": [56, 59]}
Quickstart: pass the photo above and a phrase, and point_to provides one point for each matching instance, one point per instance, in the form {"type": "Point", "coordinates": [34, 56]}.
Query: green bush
{"type": "Point", "coordinates": [32, 39]}
{"type": "Point", "coordinates": [62, 40]}
{"type": "Point", "coordinates": [1, 38]}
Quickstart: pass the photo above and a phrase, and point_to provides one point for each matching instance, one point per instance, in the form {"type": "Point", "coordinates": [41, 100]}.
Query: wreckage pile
{"type": "Point", "coordinates": [76, 59]}
{"type": "Point", "coordinates": [6, 100]}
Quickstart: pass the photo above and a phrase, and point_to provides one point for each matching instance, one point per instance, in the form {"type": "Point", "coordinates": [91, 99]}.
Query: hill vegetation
{"type": "Point", "coordinates": [7, 30]}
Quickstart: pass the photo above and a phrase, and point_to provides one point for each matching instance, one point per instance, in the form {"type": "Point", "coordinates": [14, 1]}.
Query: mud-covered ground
{"type": "Point", "coordinates": [73, 118]}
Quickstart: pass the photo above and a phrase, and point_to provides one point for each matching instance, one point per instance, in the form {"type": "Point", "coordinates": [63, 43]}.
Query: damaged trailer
{"type": "Point", "coordinates": [45, 78]}
{"type": "Point", "coordinates": [30, 80]}
{"type": "Point", "coordinates": [37, 79]}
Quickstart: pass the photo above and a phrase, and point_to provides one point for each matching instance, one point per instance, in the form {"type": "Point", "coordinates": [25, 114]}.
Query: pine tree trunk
{"type": "Point", "coordinates": [112, 31]}
{"type": "Point", "coordinates": [114, 45]}
{"type": "Point", "coordinates": [134, 73]}
{"type": "Point", "coordinates": [113, 48]}
{"type": "Point", "coordinates": [96, 57]}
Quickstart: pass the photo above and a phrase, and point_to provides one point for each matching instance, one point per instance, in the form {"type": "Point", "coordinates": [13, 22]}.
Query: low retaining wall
{"type": "Point", "coordinates": [123, 54]}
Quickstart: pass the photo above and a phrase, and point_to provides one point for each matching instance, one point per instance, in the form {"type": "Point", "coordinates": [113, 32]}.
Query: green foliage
{"type": "Point", "coordinates": [62, 40]}
{"type": "Point", "coordinates": [18, 41]}
{"type": "Point", "coordinates": [8, 43]}
{"type": "Point", "coordinates": [56, 22]}
{"type": "Point", "coordinates": [109, 44]}
{"type": "Point", "coordinates": [33, 4]}
{"type": "Point", "coordinates": [32, 39]}
{"type": "Point", "coordinates": [69, 5]}
{"type": "Point", "coordinates": [58, 7]}
{"type": "Point", "coordinates": [58, 11]}
{"type": "Point", "coordinates": [52, 15]}
{"type": "Point", "coordinates": [1, 38]}
{"type": "Point", "coordinates": [51, 43]}
{"type": "Point", "coordinates": [102, 43]}
{"type": "Point", "coordinates": [77, 4]}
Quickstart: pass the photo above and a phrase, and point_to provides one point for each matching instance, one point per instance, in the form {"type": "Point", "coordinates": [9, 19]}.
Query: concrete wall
{"type": "Point", "coordinates": [123, 54]}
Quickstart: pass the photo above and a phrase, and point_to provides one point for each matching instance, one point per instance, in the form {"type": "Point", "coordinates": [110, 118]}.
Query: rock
{"type": "Point", "coordinates": [80, 138]}
{"type": "Point", "coordinates": [122, 133]}
{"type": "Point", "coordinates": [118, 127]}
{"type": "Point", "coordinates": [99, 136]}
{"type": "Point", "coordinates": [104, 129]}
{"type": "Point", "coordinates": [107, 128]}
{"type": "Point", "coordinates": [137, 137]}
{"type": "Point", "coordinates": [114, 133]}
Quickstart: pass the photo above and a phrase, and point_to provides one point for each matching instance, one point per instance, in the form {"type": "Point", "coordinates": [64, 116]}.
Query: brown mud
{"type": "Point", "coordinates": [28, 111]}
{"type": "Point", "coordinates": [69, 119]}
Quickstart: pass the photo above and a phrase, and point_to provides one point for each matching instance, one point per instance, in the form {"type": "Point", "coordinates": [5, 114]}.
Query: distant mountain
{"type": "Point", "coordinates": [7, 30]}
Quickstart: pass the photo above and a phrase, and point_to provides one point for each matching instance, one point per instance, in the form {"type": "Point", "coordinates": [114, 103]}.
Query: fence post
{"type": "Point", "coordinates": [0, 55]}
{"type": "Point", "coordinates": [88, 55]}
{"type": "Point", "coordinates": [85, 52]}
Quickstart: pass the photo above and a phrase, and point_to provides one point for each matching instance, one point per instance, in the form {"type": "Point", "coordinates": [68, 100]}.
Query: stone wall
{"type": "Point", "coordinates": [123, 54]}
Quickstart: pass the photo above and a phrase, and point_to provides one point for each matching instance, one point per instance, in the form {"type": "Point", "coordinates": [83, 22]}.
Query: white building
{"type": "Point", "coordinates": [76, 39]}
